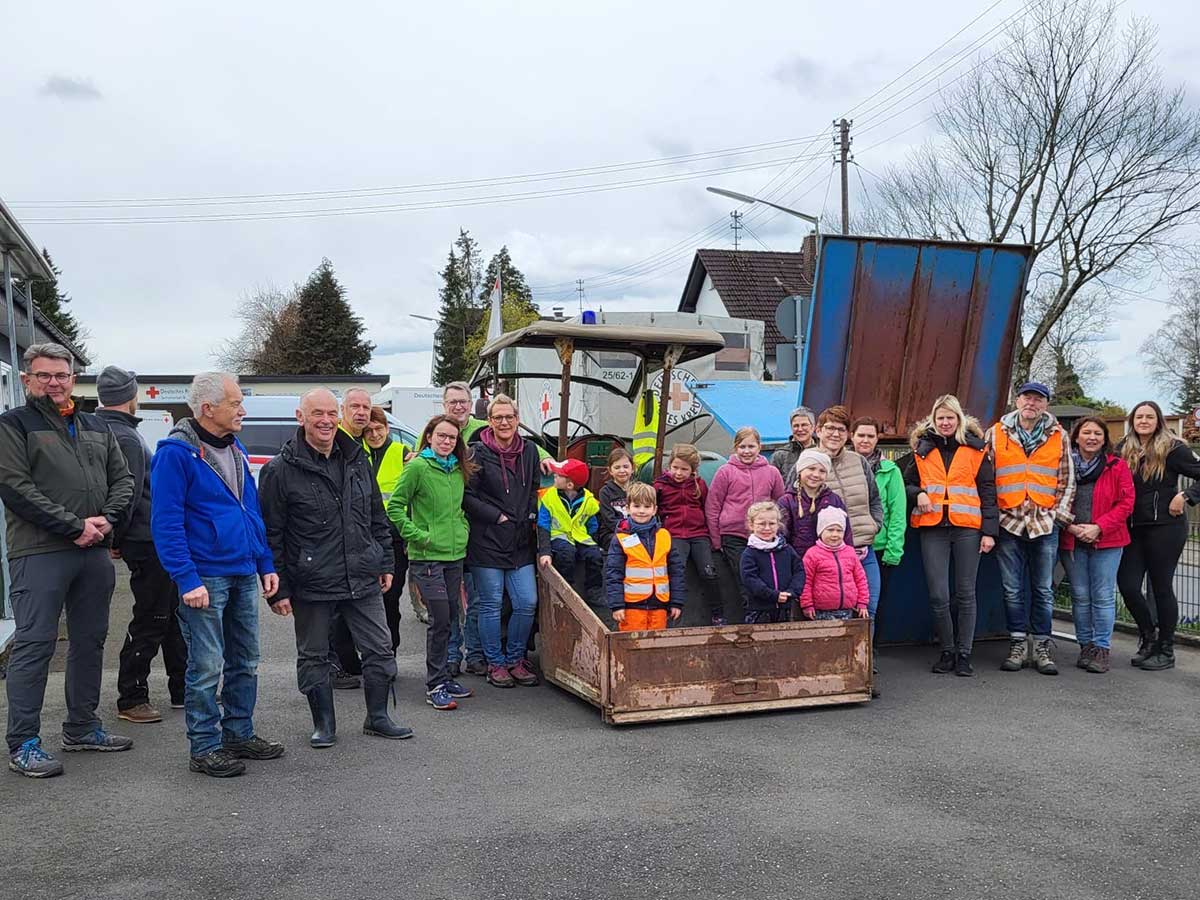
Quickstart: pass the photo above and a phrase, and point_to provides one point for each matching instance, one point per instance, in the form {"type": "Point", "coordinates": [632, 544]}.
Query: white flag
{"type": "Point", "coordinates": [495, 323]}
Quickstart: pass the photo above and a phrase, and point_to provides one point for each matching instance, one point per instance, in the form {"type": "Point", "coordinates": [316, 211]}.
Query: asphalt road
{"type": "Point", "coordinates": [1005, 785]}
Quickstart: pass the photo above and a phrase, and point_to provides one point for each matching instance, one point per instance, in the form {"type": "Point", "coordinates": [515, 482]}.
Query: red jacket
{"type": "Point", "coordinates": [833, 579]}
{"type": "Point", "coordinates": [1112, 505]}
{"type": "Point", "coordinates": [680, 510]}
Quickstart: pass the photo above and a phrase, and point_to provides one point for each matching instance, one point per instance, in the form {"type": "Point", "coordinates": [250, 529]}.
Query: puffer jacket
{"type": "Point", "coordinates": [852, 479]}
{"type": "Point", "coordinates": [613, 508]}
{"type": "Point", "coordinates": [51, 480]}
{"type": "Point", "coordinates": [734, 488]}
{"type": "Point", "coordinates": [768, 573]}
{"type": "Point", "coordinates": [681, 505]}
{"type": "Point", "coordinates": [135, 524]}
{"type": "Point", "coordinates": [833, 579]}
{"type": "Point", "coordinates": [329, 540]}
{"type": "Point", "coordinates": [798, 517]}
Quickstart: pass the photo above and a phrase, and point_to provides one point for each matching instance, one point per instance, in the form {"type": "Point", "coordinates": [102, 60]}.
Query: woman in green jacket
{"type": "Point", "coordinates": [889, 540]}
{"type": "Point", "coordinates": [427, 509]}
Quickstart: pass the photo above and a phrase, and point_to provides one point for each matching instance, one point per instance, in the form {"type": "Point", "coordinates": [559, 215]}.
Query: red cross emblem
{"type": "Point", "coordinates": [680, 397]}
{"type": "Point", "coordinates": [152, 392]}
{"type": "Point", "coordinates": [544, 406]}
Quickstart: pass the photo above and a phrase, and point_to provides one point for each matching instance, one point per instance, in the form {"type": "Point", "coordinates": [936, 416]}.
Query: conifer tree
{"type": "Point", "coordinates": [328, 337]}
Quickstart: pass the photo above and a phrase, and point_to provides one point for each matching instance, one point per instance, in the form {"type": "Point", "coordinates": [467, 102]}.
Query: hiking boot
{"type": "Point", "coordinates": [1042, 658]}
{"type": "Point", "coordinates": [1085, 656]}
{"type": "Point", "coordinates": [254, 747]}
{"type": "Point", "coordinates": [97, 739]}
{"type": "Point", "coordinates": [500, 677]}
{"type": "Point", "coordinates": [439, 698]}
{"type": "Point", "coordinates": [476, 667]}
{"type": "Point", "coordinates": [1098, 661]}
{"type": "Point", "coordinates": [456, 690]}
{"type": "Point", "coordinates": [378, 723]}
{"type": "Point", "coordinates": [142, 714]}
{"type": "Point", "coordinates": [1145, 647]}
{"type": "Point", "coordinates": [962, 666]}
{"type": "Point", "coordinates": [344, 681]}
{"type": "Point", "coordinates": [219, 763]}
{"type": "Point", "coordinates": [320, 704]}
{"type": "Point", "coordinates": [523, 675]}
{"type": "Point", "coordinates": [32, 761]}
{"type": "Point", "coordinates": [1016, 656]}
{"type": "Point", "coordinates": [717, 620]}
{"type": "Point", "coordinates": [945, 663]}
{"type": "Point", "coordinates": [1162, 656]}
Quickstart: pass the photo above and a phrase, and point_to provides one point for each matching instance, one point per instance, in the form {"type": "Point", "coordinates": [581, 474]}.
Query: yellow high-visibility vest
{"type": "Point", "coordinates": [645, 429]}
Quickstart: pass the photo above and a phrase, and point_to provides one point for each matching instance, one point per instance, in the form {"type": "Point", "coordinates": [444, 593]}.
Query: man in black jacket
{"type": "Point", "coordinates": [333, 552]}
{"type": "Point", "coordinates": [155, 597]}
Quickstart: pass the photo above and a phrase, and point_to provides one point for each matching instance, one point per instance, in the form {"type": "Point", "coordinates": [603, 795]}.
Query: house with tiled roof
{"type": "Point", "coordinates": [748, 284]}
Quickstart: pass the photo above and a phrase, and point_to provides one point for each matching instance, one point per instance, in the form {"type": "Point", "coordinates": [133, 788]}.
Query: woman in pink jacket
{"type": "Point", "coordinates": [835, 583]}
{"type": "Point", "coordinates": [747, 478]}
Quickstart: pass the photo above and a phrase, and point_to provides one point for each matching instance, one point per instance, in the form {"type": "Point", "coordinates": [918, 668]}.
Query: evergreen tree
{"type": "Point", "coordinates": [455, 318]}
{"type": "Point", "coordinates": [327, 338]}
{"type": "Point", "coordinates": [512, 282]}
{"type": "Point", "coordinates": [470, 261]}
{"type": "Point", "coordinates": [1067, 388]}
{"type": "Point", "coordinates": [51, 302]}
{"type": "Point", "coordinates": [1187, 398]}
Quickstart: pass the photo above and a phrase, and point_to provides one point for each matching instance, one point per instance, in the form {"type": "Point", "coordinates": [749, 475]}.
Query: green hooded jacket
{"type": "Point", "coordinates": [889, 542]}
{"type": "Point", "coordinates": [426, 507]}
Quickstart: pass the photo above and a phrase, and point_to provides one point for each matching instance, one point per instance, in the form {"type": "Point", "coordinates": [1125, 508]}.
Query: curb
{"type": "Point", "coordinates": [1181, 637]}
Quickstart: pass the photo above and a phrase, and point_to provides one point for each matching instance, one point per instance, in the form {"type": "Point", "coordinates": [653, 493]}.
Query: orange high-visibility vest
{"type": "Point", "coordinates": [1019, 476]}
{"type": "Point", "coordinates": [646, 577]}
{"type": "Point", "coordinates": [952, 491]}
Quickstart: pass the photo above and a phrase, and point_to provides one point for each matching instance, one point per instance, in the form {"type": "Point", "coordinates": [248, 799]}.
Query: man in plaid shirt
{"type": "Point", "coordinates": [1035, 489]}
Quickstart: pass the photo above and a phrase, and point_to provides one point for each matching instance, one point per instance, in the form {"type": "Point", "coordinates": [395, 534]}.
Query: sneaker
{"type": "Point", "coordinates": [142, 714]}
{"type": "Point", "coordinates": [344, 681]}
{"type": "Point", "coordinates": [476, 667]}
{"type": "Point", "coordinates": [523, 675]}
{"type": "Point", "coordinates": [1042, 658]}
{"type": "Point", "coordinates": [97, 739]}
{"type": "Point", "coordinates": [945, 663]}
{"type": "Point", "coordinates": [1085, 655]}
{"type": "Point", "coordinates": [176, 703]}
{"type": "Point", "coordinates": [32, 761]}
{"type": "Point", "coordinates": [717, 620]}
{"type": "Point", "coordinates": [500, 677]}
{"type": "Point", "coordinates": [254, 747]}
{"type": "Point", "coordinates": [1016, 656]}
{"type": "Point", "coordinates": [220, 763]}
{"type": "Point", "coordinates": [963, 667]}
{"type": "Point", "coordinates": [1098, 661]}
{"type": "Point", "coordinates": [439, 698]}
{"type": "Point", "coordinates": [454, 689]}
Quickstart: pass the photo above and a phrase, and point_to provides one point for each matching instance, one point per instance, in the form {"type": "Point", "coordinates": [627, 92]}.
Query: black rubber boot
{"type": "Point", "coordinates": [1145, 647]}
{"type": "Point", "coordinates": [1162, 655]}
{"type": "Point", "coordinates": [320, 703]}
{"type": "Point", "coordinates": [378, 722]}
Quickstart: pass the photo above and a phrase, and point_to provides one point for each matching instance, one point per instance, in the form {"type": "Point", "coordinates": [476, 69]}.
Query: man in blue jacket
{"type": "Point", "coordinates": [210, 538]}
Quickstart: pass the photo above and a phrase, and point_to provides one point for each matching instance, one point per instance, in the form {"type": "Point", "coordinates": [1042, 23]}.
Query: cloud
{"type": "Point", "coordinates": [803, 73]}
{"type": "Point", "coordinates": [66, 88]}
{"type": "Point", "coordinates": [670, 146]}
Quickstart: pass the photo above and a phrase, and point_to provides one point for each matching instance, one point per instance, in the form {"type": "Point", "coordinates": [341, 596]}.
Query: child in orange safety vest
{"type": "Point", "coordinates": [644, 575]}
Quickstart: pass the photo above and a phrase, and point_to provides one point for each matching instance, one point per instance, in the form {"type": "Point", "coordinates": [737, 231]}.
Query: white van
{"type": "Point", "coordinates": [271, 420]}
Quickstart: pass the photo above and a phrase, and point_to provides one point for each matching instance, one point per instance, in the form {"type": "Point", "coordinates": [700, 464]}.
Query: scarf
{"type": "Point", "coordinates": [510, 457]}
{"type": "Point", "coordinates": [68, 410]}
{"type": "Point", "coordinates": [446, 464]}
{"type": "Point", "coordinates": [1087, 471]}
{"type": "Point", "coordinates": [759, 544]}
{"type": "Point", "coordinates": [874, 459]}
{"type": "Point", "coordinates": [1030, 440]}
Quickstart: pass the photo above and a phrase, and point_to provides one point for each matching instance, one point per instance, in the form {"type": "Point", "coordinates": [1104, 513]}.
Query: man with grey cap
{"type": "Point", "coordinates": [154, 624]}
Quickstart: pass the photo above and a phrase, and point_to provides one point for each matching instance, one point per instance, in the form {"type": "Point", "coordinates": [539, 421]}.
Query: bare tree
{"type": "Point", "coordinates": [1172, 353]}
{"type": "Point", "coordinates": [268, 317]}
{"type": "Point", "coordinates": [1067, 140]}
{"type": "Point", "coordinates": [1068, 361]}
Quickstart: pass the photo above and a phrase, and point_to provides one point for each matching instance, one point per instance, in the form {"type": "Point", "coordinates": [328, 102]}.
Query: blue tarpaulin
{"type": "Point", "coordinates": [763, 404]}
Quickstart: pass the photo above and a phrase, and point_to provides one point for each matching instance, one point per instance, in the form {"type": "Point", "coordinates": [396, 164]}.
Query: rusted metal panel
{"type": "Point", "coordinates": [896, 322]}
{"type": "Point", "coordinates": [688, 672]}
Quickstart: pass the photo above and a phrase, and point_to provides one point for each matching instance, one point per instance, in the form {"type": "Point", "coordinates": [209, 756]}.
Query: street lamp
{"type": "Point", "coordinates": [746, 198]}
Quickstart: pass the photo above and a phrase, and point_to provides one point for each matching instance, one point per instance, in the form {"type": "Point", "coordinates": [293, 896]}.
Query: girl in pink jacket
{"type": "Point", "coordinates": [835, 584]}
{"type": "Point", "coordinates": [741, 482]}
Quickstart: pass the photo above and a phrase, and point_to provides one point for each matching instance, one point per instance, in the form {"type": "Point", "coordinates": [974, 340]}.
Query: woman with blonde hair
{"type": "Point", "coordinates": [1158, 529]}
{"type": "Point", "coordinates": [952, 486]}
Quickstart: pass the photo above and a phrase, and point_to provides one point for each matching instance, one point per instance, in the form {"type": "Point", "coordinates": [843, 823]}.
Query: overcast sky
{"type": "Point", "coordinates": [183, 99]}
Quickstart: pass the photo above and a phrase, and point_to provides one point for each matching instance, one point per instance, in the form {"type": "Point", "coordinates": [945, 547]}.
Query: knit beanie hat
{"type": "Point", "coordinates": [830, 515]}
{"type": "Point", "coordinates": [813, 457]}
{"type": "Point", "coordinates": [114, 386]}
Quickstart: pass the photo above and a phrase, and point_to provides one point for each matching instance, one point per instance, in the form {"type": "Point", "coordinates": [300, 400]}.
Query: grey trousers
{"type": "Point", "coordinates": [368, 626]}
{"type": "Point", "coordinates": [938, 546]}
{"type": "Point", "coordinates": [42, 584]}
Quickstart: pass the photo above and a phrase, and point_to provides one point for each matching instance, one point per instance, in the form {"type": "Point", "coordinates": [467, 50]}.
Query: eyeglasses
{"type": "Point", "coordinates": [504, 419]}
{"type": "Point", "coordinates": [834, 429]}
{"type": "Point", "coordinates": [458, 402]}
{"type": "Point", "coordinates": [47, 377]}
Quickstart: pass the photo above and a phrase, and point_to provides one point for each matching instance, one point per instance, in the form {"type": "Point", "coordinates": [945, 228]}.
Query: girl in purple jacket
{"type": "Point", "coordinates": [806, 497]}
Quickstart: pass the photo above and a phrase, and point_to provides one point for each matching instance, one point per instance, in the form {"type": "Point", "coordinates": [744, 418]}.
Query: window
{"type": "Point", "coordinates": [265, 438]}
{"type": "Point", "coordinates": [735, 357]}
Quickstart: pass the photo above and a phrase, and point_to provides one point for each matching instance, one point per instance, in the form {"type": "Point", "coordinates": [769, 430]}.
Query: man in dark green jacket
{"type": "Point", "coordinates": [64, 484]}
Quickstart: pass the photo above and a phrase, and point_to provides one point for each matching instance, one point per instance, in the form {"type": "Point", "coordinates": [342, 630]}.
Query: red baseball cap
{"type": "Point", "coordinates": [573, 470]}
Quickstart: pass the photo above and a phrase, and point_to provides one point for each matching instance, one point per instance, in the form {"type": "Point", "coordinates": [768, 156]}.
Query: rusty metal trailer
{"type": "Point", "coordinates": [684, 673]}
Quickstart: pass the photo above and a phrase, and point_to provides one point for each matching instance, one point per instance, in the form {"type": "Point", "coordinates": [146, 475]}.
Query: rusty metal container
{"type": "Point", "coordinates": [682, 673]}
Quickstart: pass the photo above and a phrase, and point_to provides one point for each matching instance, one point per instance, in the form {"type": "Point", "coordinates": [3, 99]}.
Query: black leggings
{"type": "Point", "coordinates": [1153, 550]}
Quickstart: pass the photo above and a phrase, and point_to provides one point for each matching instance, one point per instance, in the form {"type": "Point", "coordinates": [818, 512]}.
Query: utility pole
{"type": "Point", "coordinates": [843, 142]}
{"type": "Point", "coordinates": [579, 290]}
{"type": "Point", "coordinates": [736, 225]}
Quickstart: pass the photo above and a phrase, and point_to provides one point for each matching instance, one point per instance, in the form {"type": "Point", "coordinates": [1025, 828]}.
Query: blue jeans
{"type": "Point", "coordinates": [1020, 557]}
{"type": "Point", "coordinates": [871, 567]}
{"type": "Point", "coordinates": [1093, 575]}
{"type": "Point", "coordinates": [464, 636]}
{"type": "Point", "coordinates": [222, 640]}
{"type": "Point", "coordinates": [522, 591]}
